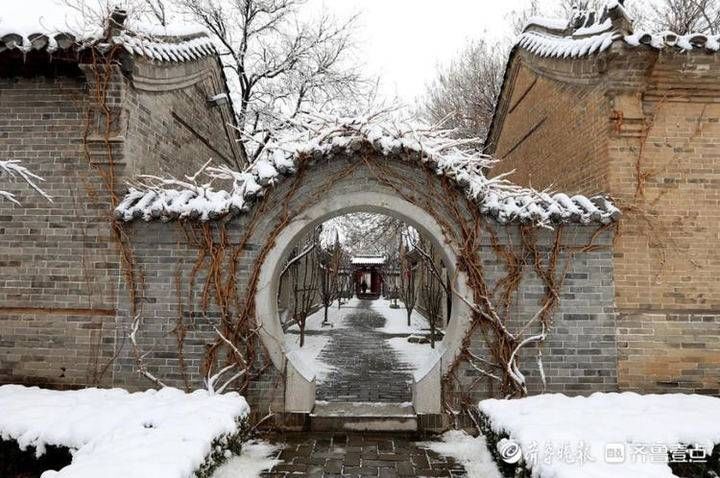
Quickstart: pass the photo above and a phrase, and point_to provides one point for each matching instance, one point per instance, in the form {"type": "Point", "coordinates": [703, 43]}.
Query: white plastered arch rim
{"type": "Point", "coordinates": [299, 379]}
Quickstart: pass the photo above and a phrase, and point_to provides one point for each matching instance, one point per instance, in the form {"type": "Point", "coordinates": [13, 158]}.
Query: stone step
{"type": "Point", "coordinates": [363, 416]}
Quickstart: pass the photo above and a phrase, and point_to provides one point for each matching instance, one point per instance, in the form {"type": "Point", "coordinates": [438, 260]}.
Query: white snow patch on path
{"type": "Point", "coordinates": [417, 356]}
{"type": "Point", "coordinates": [256, 456]}
{"type": "Point", "coordinates": [307, 358]}
{"type": "Point", "coordinates": [160, 433]}
{"type": "Point", "coordinates": [544, 425]}
{"type": "Point", "coordinates": [396, 319]}
{"type": "Point", "coordinates": [470, 452]}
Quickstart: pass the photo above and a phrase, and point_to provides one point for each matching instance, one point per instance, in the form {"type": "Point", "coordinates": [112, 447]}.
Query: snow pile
{"type": "Point", "coordinates": [256, 457]}
{"type": "Point", "coordinates": [313, 137]}
{"type": "Point", "coordinates": [418, 357]}
{"type": "Point", "coordinates": [396, 319]}
{"type": "Point", "coordinates": [568, 437]}
{"type": "Point", "coordinates": [114, 433]}
{"type": "Point", "coordinates": [471, 452]}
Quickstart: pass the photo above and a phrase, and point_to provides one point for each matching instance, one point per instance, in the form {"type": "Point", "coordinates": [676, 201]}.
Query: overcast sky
{"type": "Point", "coordinates": [402, 41]}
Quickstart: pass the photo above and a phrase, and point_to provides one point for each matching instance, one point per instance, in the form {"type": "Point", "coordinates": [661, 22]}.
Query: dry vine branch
{"type": "Point", "coordinates": [139, 355]}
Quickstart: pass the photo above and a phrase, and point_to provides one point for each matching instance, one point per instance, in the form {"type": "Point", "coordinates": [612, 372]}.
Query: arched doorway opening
{"type": "Point", "coordinates": [301, 381]}
{"type": "Point", "coordinates": [363, 300]}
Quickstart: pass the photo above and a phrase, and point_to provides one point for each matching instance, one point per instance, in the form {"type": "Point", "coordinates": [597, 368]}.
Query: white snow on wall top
{"type": "Point", "coordinates": [315, 138]}
{"type": "Point", "coordinates": [590, 32]}
{"type": "Point", "coordinates": [368, 260]}
{"type": "Point", "coordinates": [159, 44]}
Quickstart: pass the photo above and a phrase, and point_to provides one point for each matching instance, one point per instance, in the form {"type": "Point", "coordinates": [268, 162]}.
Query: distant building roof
{"type": "Point", "coordinates": [369, 260]}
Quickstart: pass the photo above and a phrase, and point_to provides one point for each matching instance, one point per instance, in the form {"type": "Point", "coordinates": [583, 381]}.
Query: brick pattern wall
{"type": "Point", "coordinates": [579, 357]}
{"type": "Point", "coordinates": [171, 126]}
{"type": "Point", "coordinates": [553, 127]}
{"type": "Point", "coordinates": [661, 116]}
{"type": "Point", "coordinates": [580, 354]}
{"type": "Point", "coordinates": [59, 262]}
{"type": "Point", "coordinates": [668, 294]}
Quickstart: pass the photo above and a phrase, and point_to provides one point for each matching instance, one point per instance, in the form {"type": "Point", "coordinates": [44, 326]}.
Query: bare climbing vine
{"type": "Point", "coordinates": [464, 228]}
{"type": "Point", "coordinates": [100, 119]}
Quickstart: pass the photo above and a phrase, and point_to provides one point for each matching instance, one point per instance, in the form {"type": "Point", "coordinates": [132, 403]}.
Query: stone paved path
{"type": "Point", "coordinates": [330, 455]}
{"type": "Point", "coordinates": [367, 369]}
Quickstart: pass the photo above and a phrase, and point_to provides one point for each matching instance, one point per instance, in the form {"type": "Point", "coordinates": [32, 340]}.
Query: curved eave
{"type": "Point", "coordinates": [203, 205]}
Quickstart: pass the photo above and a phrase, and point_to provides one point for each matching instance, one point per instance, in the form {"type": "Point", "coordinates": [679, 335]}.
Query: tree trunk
{"type": "Point", "coordinates": [327, 306]}
{"type": "Point", "coordinates": [302, 334]}
{"type": "Point", "coordinates": [409, 313]}
{"type": "Point", "coordinates": [432, 334]}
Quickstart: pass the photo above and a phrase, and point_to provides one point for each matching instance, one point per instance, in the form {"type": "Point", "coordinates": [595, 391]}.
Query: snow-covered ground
{"type": "Point", "coordinates": [257, 456]}
{"type": "Point", "coordinates": [417, 356]}
{"type": "Point", "coordinates": [159, 433]}
{"type": "Point", "coordinates": [619, 435]}
{"type": "Point", "coordinates": [396, 319]}
{"type": "Point", "coordinates": [307, 358]}
{"type": "Point", "coordinates": [470, 452]}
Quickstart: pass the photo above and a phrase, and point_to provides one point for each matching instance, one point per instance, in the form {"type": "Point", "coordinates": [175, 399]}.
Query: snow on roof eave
{"type": "Point", "coordinates": [497, 199]}
{"type": "Point", "coordinates": [181, 48]}
{"type": "Point", "coordinates": [545, 45]}
{"type": "Point", "coordinates": [368, 260]}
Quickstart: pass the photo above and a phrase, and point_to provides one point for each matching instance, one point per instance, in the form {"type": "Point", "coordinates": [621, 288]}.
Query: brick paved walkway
{"type": "Point", "coordinates": [359, 455]}
{"type": "Point", "coordinates": [367, 369]}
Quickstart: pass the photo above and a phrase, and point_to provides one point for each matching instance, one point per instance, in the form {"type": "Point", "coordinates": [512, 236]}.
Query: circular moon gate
{"type": "Point", "coordinates": [299, 378]}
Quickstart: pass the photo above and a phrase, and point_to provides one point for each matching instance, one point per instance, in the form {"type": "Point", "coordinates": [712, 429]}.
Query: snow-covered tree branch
{"type": "Point", "coordinates": [282, 64]}
{"type": "Point", "coordinates": [14, 171]}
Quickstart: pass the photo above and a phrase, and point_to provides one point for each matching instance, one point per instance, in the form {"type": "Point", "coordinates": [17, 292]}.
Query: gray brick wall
{"type": "Point", "coordinates": [64, 309]}
{"type": "Point", "coordinates": [59, 262]}
{"type": "Point", "coordinates": [580, 355]}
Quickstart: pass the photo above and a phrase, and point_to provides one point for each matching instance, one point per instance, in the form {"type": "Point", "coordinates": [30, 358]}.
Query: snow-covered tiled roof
{"type": "Point", "coordinates": [365, 260]}
{"type": "Point", "coordinates": [156, 45]}
{"type": "Point", "coordinates": [171, 199]}
{"type": "Point", "coordinates": [590, 32]}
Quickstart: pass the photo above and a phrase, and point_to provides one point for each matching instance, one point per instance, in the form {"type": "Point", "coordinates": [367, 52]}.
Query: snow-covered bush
{"type": "Point", "coordinates": [163, 433]}
{"type": "Point", "coordinates": [621, 435]}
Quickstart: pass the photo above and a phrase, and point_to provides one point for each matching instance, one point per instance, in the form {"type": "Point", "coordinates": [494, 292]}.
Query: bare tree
{"type": "Point", "coordinates": [463, 95]}
{"type": "Point", "coordinates": [329, 261]}
{"type": "Point", "coordinates": [407, 280]}
{"type": "Point", "coordinates": [369, 233]}
{"type": "Point", "coordinates": [303, 275]}
{"type": "Point", "coordinates": [282, 64]}
{"type": "Point", "coordinates": [432, 288]}
{"type": "Point", "coordinates": [688, 16]}
{"type": "Point", "coordinates": [94, 13]}
{"type": "Point", "coordinates": [345, 282]}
